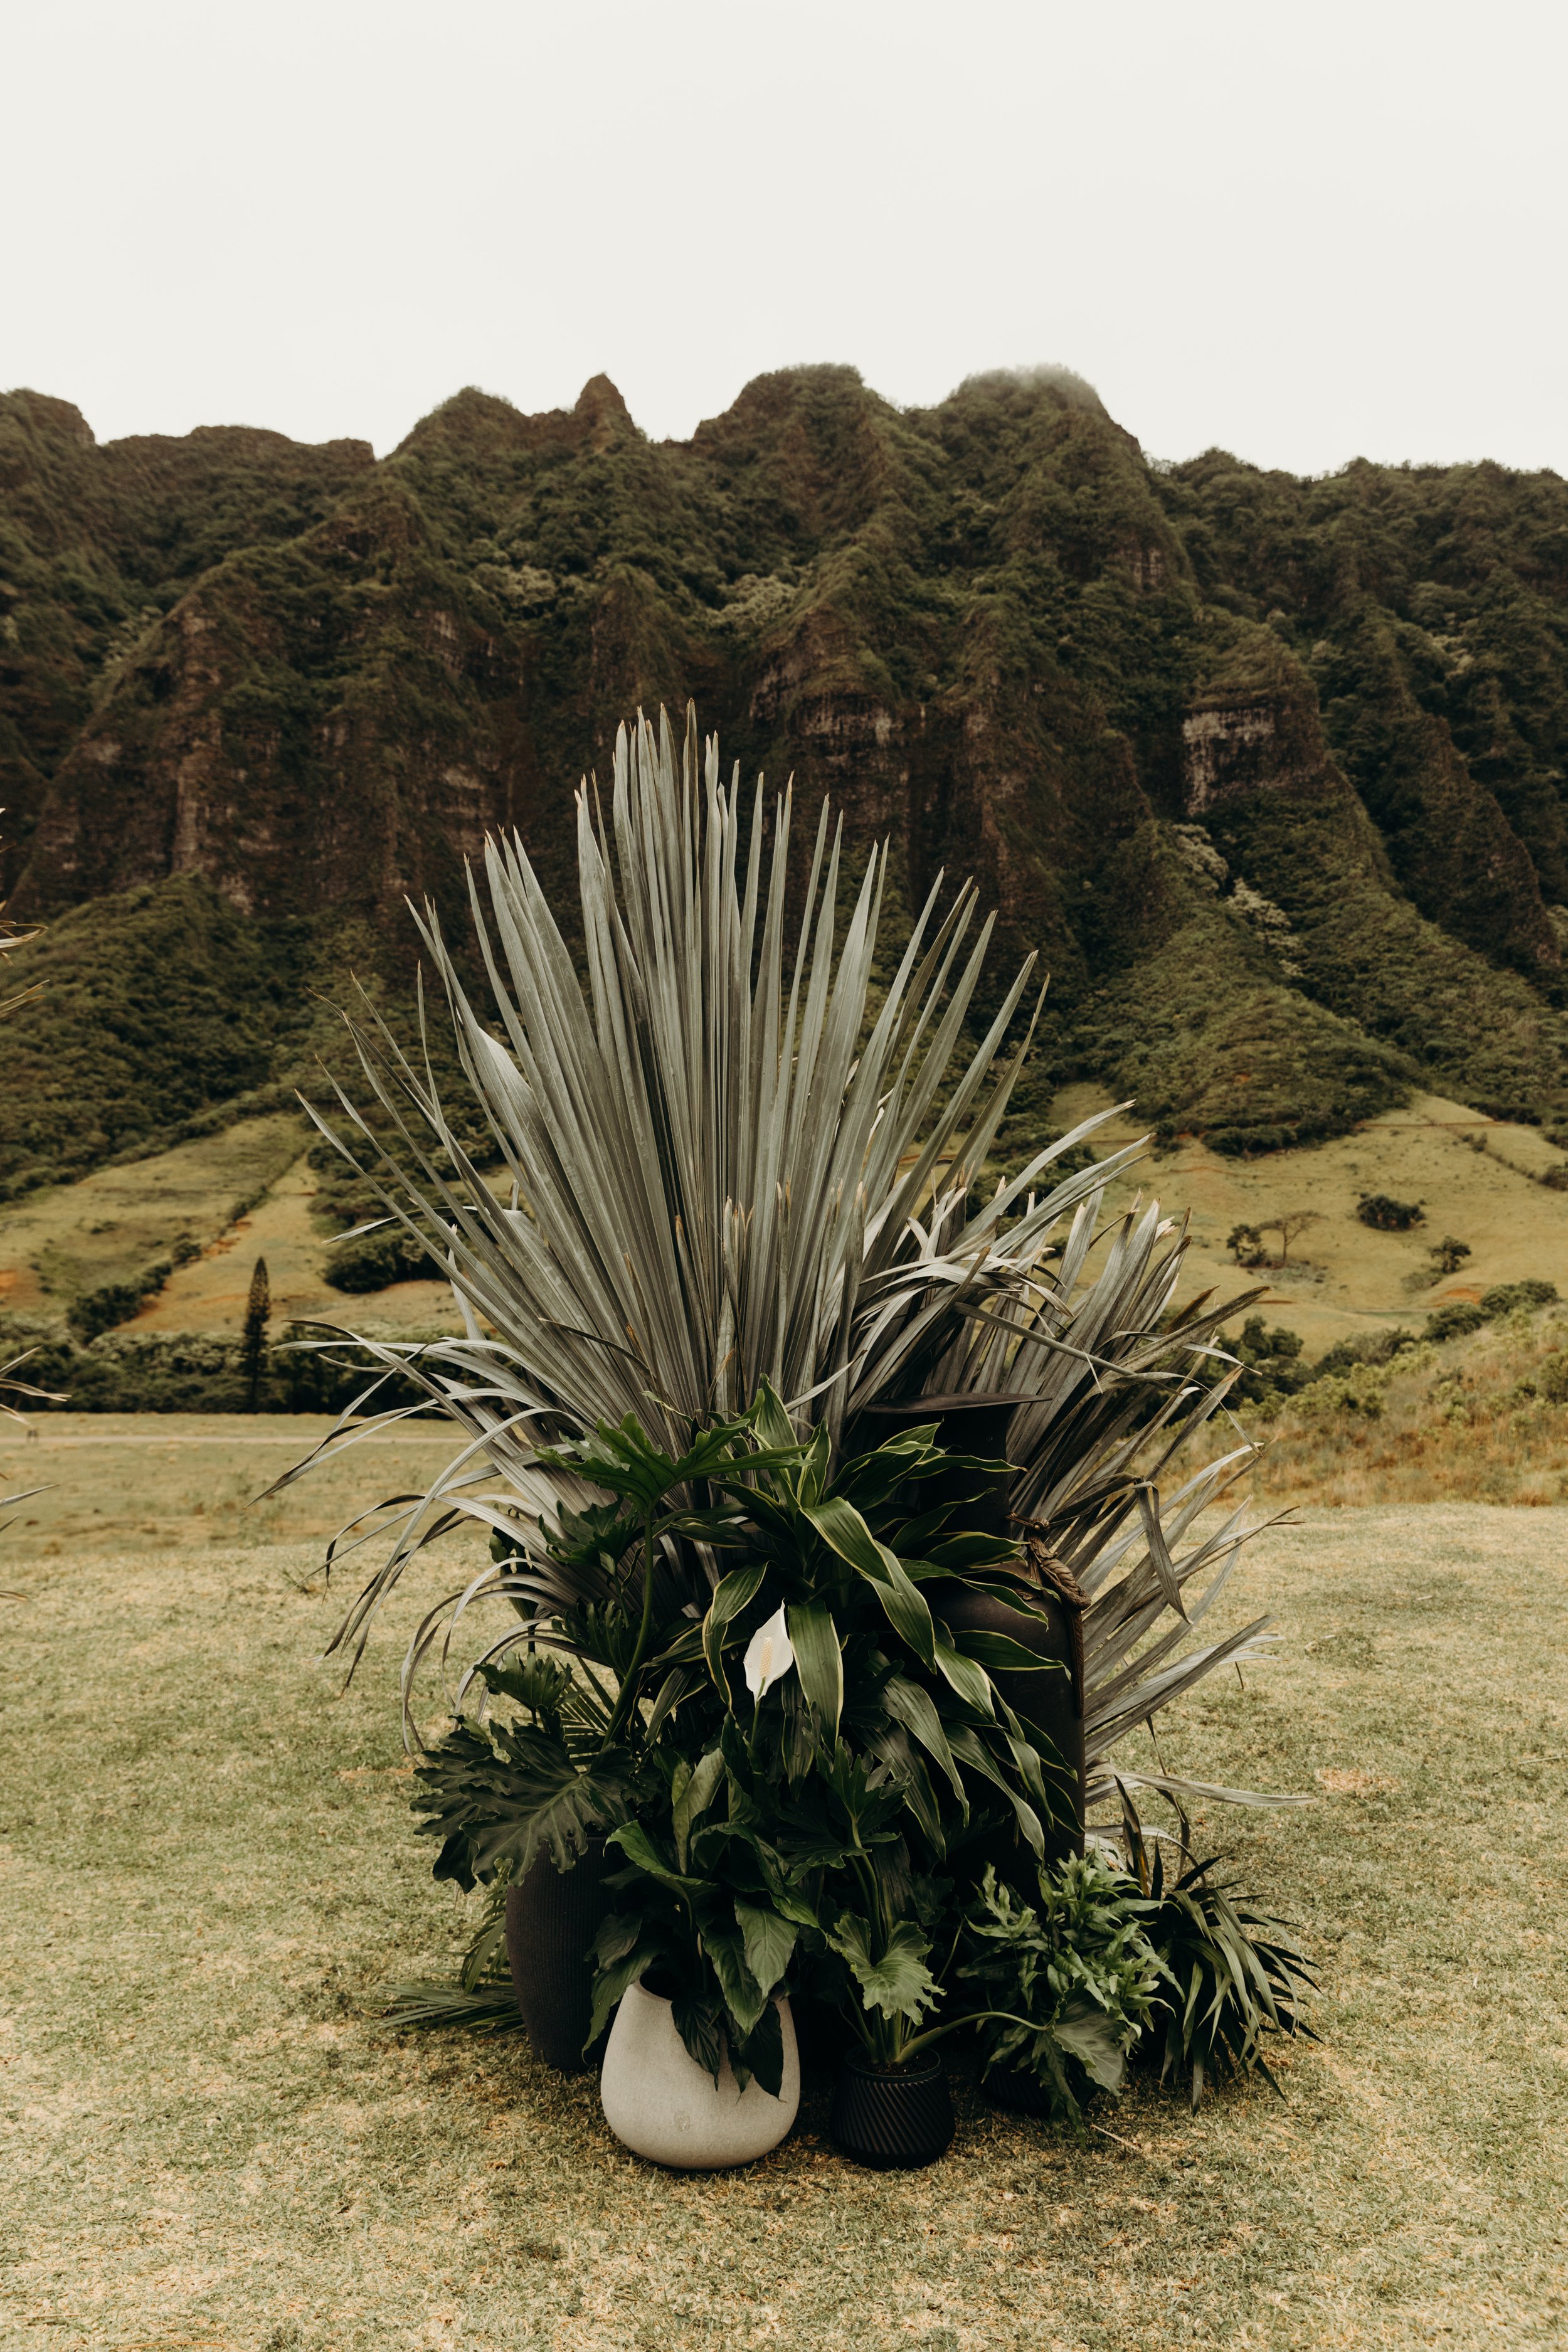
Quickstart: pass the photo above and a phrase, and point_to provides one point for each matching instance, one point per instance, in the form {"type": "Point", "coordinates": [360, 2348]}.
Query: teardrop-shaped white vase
{"type": "Point", "coordinates": [661, 2104]}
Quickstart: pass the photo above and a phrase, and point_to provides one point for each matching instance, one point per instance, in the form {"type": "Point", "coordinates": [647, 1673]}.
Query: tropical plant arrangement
{"type": "Point", "coordinates": [778, 1658]}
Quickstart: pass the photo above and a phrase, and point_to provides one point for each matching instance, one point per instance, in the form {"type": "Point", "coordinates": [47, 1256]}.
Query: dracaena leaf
{"type": "Point", "coordinates": [819, 1660]}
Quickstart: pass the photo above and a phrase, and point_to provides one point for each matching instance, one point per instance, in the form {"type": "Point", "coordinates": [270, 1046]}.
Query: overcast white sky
{"type": "Point", "coordinates": [1301, 232]}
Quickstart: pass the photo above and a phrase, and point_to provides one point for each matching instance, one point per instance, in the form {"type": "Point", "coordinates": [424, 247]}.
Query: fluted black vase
{"type": "Point", "coordinates": [552, 1918]}
{"type": "Point", "coordinates": [892, 2118]}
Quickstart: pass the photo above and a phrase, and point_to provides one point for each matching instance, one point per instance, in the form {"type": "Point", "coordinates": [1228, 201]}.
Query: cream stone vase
{"type": "Point", "coordinates": [662, 2104]}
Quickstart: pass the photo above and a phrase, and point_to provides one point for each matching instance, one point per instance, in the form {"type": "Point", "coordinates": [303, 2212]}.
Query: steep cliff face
{"type": "Point", "coordinates": [97, 544]}
{"type": "Point", "coordinates": [1271, 773]}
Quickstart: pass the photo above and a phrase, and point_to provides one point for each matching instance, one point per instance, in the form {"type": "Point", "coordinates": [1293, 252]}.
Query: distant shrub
{"type": "Point", "coordinates": [187, 1372]}
{"type": "Point", "coordinates": [1447, 1255]}
{"type": "Point", "coordinates": [1509, 1295]}
{"type": "Point", "coordinates": [1455, 1322]}
{"type": "Point", "coordinates": [375, 1261]}
{"type": "Point", "coordinates": [1271, 1363]}
{"type": "Point", "coordinates": [1360, 1390]}
{"type": "Point", "coordinates": [1551, 1378]}
{"type": "Point", "coordinates": [1556, 1179]}
{"type": "Point", "coordinates": [1387, 1215]}
{"type": "Point", "coordinates": [1246, 1243]}
{"type": "Point", "coordinates": [116, 1302]}
{"type": "Point", "coordinates": [1243, 1142]}
{"type": "Point", "coordinates": [1374, 1348]}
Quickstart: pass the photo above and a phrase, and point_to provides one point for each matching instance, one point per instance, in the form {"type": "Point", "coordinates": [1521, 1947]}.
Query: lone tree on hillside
{"type": "Point", "coordinates": [1246, 1242]}
{"type": "Point", "coordinates": [253, 1343]}
{"type": "Point", "coordinates": [1289, 1225]}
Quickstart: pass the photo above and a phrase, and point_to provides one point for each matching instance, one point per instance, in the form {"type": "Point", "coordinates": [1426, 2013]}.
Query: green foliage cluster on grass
{"type": "Point", "coordinates": [375, 1261]}
{"type": "Point", "coordinates": [216, 1873]}
{"type": "Point", "coordinates": [99, 1310]}
{"type": "Point", "coordinates": [985, 624]}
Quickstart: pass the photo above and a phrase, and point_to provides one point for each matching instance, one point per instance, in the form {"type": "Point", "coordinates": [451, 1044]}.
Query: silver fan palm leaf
{"type": "Point", "coordinates": [718, 1154]}
{"type": "Point", "coordinates": [728, 1164]}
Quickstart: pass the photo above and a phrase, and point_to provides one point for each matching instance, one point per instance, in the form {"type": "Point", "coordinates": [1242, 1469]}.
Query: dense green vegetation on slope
{"type": "Point", "coordinates": [1270, 771]}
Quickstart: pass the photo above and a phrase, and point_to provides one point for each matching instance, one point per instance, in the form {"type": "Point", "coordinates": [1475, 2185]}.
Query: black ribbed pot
{"type": "Point", "coordinates": [892, 2119]}
{"type": "Point", "coordinates": [552, 1918]}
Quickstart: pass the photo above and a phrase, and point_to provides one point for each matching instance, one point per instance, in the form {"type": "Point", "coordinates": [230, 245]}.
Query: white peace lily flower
{"type": "Point", "coordinates": [769, 1657]}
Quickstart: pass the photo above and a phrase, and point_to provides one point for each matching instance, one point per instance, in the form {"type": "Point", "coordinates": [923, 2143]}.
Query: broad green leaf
{"type": "Point", "coordinates": [768, 1942]}
{"type": "Point", "coordinates": [970, 1681]}
{"type": "Point", "coordinates": [743, 1996]}
{"type": "Point", "coordinates": [762, 2051]}
{"type": "Point", "coordinates": [1093, 2040]}
{"type": "Point", "coordinates": [638, 1847]}
{"type": "Point", "coordinates": [694, 1796]}
{"type": "Point", "coordinates": [1000, 1653]}
{"type": "Point", "coordinates": [893, 1746]}
{"type": "Point", "coordinates": [968, 1747]}
{"type": "Point", "coordinates": [736, 1593]}
{"type": "Point", "coordinates": [819, 1660]}
{"type": "Point", "coordinates": [916, 1710]}
{"type": "Point", "coordinates": [612, 1981]}
{"type": "Point", "coordinates": [699, 2019]}
{"type": "Point", "coordinates": [841, 1527]}
{"type": "Point", "coordinates": [773, 1425]}
{"type": "Point", "coordinates": [895, 1980]}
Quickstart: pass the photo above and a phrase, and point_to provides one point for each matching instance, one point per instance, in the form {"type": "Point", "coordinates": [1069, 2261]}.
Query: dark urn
{"type": "Point", "coordinates": [552, 1918]}
{"type": "Point", "coordinates": [978, 1424]}
{"type": "Point", "coordinates": [892, 2118]}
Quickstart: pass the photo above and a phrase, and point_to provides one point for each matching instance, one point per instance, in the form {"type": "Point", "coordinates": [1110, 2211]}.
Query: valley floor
{"type": "Point", "coordinates": [207, 1871]}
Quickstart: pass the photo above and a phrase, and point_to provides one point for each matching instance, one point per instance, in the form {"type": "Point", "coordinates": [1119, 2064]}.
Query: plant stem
{"type": "Point", "coordinates": [628, 1681]}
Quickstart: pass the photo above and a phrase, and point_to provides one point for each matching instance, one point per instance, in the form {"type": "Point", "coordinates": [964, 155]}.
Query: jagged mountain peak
{"type": "Point", "coordinates": [1272, 771]}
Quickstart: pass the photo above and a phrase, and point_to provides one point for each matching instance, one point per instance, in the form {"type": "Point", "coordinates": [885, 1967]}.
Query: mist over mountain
{"type": "Point", "coordinates": [1270, 771]}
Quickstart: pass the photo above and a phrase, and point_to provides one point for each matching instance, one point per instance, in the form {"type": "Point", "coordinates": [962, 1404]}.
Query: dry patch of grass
{"type": "Point", "coordinates": [176, 1478]}
{"type": "Point", "coordinates": [207, 1870]}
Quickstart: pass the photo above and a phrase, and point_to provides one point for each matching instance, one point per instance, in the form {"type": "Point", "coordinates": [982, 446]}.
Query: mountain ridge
{"type": "Point", "coordinates": [1270, 771]}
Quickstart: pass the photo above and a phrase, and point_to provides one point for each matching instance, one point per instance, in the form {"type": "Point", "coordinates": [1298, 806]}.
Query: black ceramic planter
{"type": "Point", "coordinates": [892, 2120]}
{"type": "Point", "coordinates": [552, 1918]}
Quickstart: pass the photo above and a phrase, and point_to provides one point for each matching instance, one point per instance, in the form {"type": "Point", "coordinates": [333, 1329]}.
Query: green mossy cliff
{"type": "Point", "coordinates": [1270, 771]}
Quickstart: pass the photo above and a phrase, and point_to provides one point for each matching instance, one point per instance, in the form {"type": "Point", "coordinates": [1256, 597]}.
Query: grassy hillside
{"type": "Point", "coordinates": [155, 1253]}
{"type": "Point", "coordinates": [1270, 771]}
{"type": "Point", "coordinates": [1482, 1418]}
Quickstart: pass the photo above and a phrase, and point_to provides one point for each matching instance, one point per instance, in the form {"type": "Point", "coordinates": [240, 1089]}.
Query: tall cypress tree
{"type": "Point", "coordinates": [253, 1345]}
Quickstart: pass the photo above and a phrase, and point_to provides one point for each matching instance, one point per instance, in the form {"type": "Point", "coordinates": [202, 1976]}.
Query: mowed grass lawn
{"type": "Point", "coordinates": [207, 1869]}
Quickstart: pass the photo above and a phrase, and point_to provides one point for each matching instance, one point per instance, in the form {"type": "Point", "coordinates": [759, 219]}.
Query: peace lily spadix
{"type": "Point", "coordinates": [769, 1657]}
